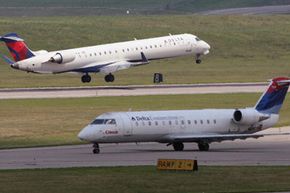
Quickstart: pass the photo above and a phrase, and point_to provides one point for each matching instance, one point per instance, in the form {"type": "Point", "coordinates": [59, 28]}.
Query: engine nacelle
{"type": "Point", "coordinates": [248, 116]}
{"type": "Point", "coordinates": [62, 58]}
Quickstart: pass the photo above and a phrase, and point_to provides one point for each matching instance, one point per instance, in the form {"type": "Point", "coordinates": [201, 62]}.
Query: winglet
{"type": "Point", "coordinates": [144, 59]}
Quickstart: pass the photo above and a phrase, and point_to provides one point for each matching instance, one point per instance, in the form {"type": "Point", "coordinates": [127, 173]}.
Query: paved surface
{"type": "Point", "coordinates": [274, 150]}
{"type": "Point", "coordinates": [99, 91]}
{"type": "Point", "coordinates": [279, 9]}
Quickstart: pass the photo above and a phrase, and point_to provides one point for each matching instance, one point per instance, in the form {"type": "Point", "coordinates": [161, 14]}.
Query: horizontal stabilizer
{"type": "Point", "coordinates": [6, 59]}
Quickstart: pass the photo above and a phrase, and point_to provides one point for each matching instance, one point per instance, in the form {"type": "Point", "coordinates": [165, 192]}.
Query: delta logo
{"type": "Point", "coordinates": [140, 118]}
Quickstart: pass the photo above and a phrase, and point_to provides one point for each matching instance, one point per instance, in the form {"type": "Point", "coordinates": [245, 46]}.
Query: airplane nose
{"type": "Point", "coordinates": [83, 134]}
{"type": "Point", "coordinates": [206, 45]}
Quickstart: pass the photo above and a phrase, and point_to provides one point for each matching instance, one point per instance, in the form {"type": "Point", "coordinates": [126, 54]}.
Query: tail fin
{"type": "Point", "coordinates": [272, 99]}
{"type": "Point", "coordinates": [17, 47]}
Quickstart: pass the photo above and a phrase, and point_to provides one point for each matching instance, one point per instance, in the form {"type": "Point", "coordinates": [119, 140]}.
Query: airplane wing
{"type": "Point", "coordinates": [113, 66]}
{"type": "Point", "coordinates": [217, 137]}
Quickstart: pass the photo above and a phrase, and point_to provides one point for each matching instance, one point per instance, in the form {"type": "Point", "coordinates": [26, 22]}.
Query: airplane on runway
{"type": "Point", "coordinates": [176, 127]}
{"type": "Point", "coordinates": [106, 59]}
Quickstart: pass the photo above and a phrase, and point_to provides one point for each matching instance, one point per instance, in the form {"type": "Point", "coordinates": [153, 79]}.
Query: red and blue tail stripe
{"type": "Point", "coordinates": [17, 47]}
{"type": "Point", "coordinates": [272, 100]}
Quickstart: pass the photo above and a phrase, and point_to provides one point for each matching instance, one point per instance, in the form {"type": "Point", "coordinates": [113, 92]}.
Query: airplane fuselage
{"type": "Point", "coordinates": [164, 126]}
{"type": "Point", "coordinates": [102, 58]}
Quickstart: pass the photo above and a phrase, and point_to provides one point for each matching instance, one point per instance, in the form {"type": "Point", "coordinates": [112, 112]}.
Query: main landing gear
{"type": "Point", "coordinates": [86, 78]}
{"type": "Point", "coordinates": [96, 149]}
{"type": "Point", "coordinates": [109, 78]}
{"type": "Point", "coordinates": [202, 146]}
{"type": "Point", "coordinates": [178, 146]}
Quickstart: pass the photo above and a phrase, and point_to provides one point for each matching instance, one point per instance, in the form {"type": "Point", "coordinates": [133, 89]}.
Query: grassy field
{"type": "Point", "coordinates": [41, 122]}
{"type": "Point", "coordinates": [146, 179]}
{"type": "Point", "coordinates": [244, 48]}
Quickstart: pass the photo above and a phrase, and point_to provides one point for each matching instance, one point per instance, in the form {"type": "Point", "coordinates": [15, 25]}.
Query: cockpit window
{"type": "Point", "coordinates": [197, 39]}
{"type": "Point", "coordinates": [104, 122]}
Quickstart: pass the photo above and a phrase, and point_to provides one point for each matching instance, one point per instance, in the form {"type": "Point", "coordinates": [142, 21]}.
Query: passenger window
{"type": "Point", "coordinates": [156, 123]}
{"type": "Point", "coordinates": [195, 121]}
{"type": "Point", "coordinates": [169, 122]}
{"type": "Point", "coordinates": [214, 121]}
{"type": "Point", "coordinates": [208, 122]}
{"type": "Point", "coordinates": [182, 122]}
{"type": "Point", "coordinates": [149, 123]}
{"type": "Point", "coordinates": [201, 121]}
{"type": "Point", "coordinates": [188, 122]}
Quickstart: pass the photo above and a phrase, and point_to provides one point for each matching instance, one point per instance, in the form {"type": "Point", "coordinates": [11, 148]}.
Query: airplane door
{"type": "Point", "coordinates": [126, 127]}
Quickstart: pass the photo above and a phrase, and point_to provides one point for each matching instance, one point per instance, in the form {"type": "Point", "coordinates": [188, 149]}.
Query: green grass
{"type": "Point", "coordinates": [146, 179]}
{"type": "Point", "coordinates": [41, 122]}
{"type": "Point", "coordinates": [244, 48]}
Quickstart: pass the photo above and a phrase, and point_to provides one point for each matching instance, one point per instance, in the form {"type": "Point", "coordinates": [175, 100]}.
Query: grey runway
{"type": "Point", "coordinates": [274, 150]}
{"type": "Point", "coordinates": [101, 91]}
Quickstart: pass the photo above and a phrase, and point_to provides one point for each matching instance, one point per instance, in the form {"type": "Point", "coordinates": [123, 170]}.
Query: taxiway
{"type": "Point", "coordinates": [272, 150]}
{"type": "Point", "coordinates": [100, 91]}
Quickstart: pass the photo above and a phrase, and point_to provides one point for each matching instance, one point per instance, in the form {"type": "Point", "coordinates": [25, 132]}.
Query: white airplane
{"type": "Point", "coordinates": [176, 127]}
{"type": "Point", "coordinates": [107, 58]}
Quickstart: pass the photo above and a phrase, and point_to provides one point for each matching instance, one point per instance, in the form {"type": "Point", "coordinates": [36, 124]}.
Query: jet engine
{"type": "Point", "coordinates": [248, 116]}
{"type": "Point", "coordinates": [62, 58]}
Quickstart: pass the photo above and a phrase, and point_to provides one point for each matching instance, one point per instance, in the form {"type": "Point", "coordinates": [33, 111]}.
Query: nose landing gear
{"type": "Point", "coordinates": [96, 149]}
{"type": "Point", "coordinates": [197, 59]}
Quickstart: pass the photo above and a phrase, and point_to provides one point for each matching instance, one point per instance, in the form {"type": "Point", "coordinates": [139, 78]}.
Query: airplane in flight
{"type": "Point", "coordinates": [176, 127]}
{"type": "Point", "coordinates": [106, 59]}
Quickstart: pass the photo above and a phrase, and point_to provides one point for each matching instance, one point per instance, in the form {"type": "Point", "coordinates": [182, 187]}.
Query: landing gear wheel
{"type": "Point", "coordinates": [109, 78]}
{"type": "Point", "coordinates": [202, 146]}
{"type": "Point", "coordinates": [86, 78]}
{"type": "Point", "coordinates": [178, 146]}
{"type": "Point", "coordinates": [96, 149]}
{"type": "Point", "coordinates": [198, 61]}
